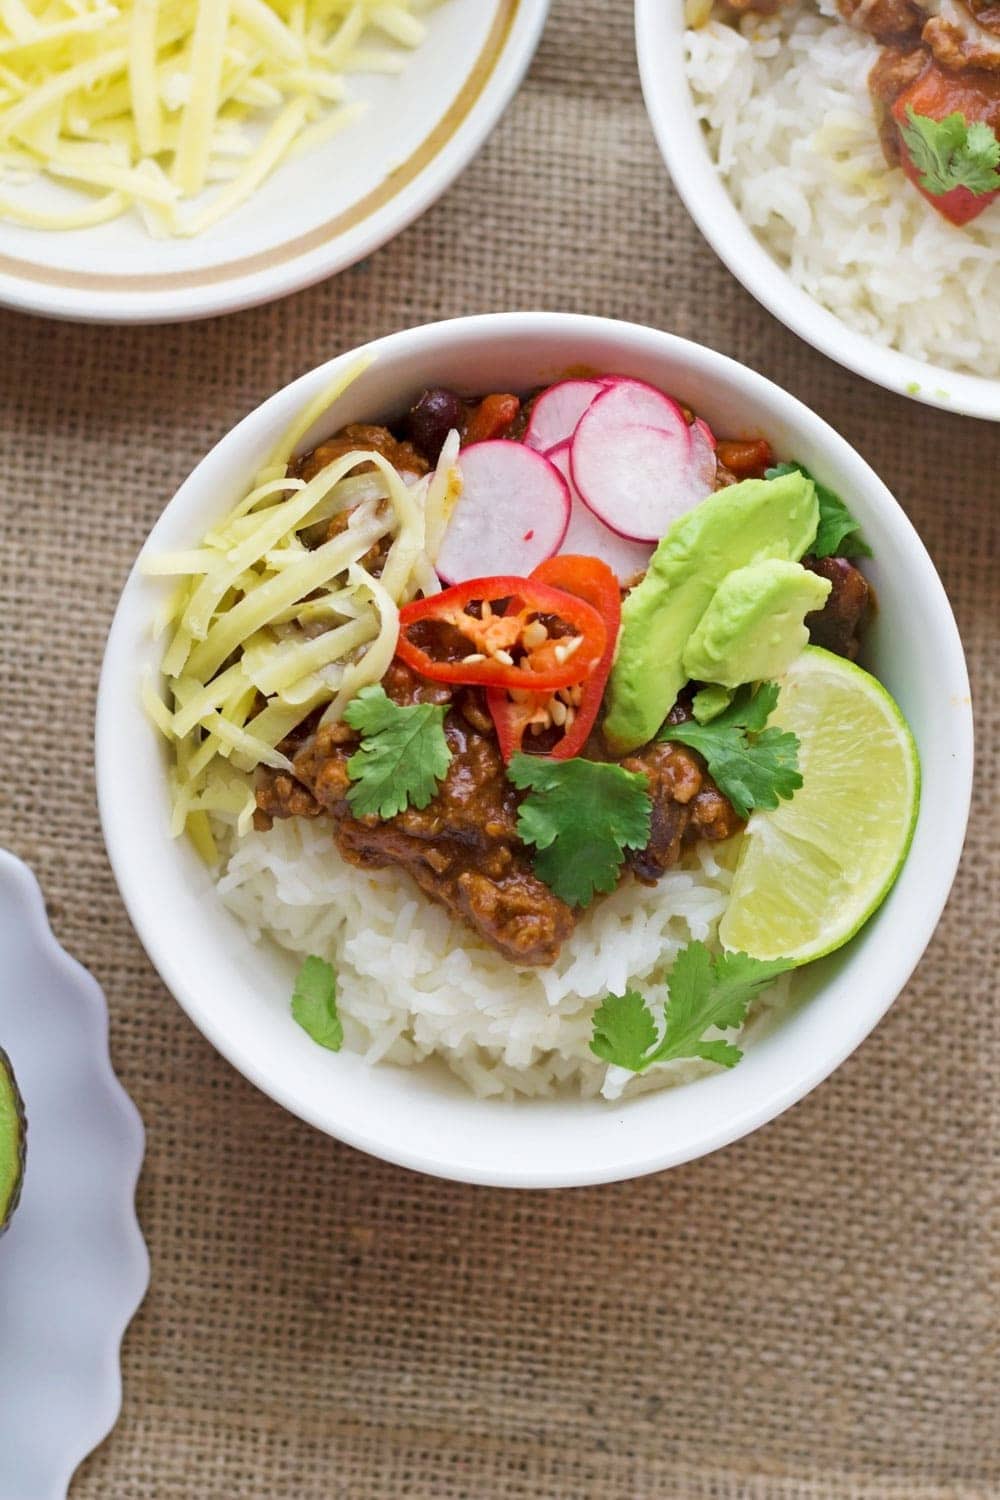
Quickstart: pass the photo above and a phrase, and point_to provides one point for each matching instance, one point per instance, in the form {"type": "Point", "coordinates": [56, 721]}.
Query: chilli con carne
{"type": "Point", "coordinates": [619, 670]}
{"type": "Point", "coordinates": [935, 87]}
{"type": "Point", "coordinates": [517, 663]}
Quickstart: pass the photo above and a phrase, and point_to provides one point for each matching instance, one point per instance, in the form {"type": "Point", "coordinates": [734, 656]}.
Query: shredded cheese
{"type": "Point", "coordinates": [177, 110]}
{"type": "Point", "coordinates": [288, 605]}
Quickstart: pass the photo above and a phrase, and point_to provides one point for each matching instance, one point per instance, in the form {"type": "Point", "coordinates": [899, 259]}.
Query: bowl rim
{"type": "Point", "coordinates": [236, 284]}
{"type": "Point", "coordinates": [659, 33]}
{"type": "Point", "coordinates": [117, 701]}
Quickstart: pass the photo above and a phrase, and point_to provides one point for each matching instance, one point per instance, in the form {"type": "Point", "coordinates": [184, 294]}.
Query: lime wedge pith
{"type": "Point", "coordinates": [811, 872]}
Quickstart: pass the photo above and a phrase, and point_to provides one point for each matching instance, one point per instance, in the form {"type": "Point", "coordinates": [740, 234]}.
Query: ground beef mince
{"type": "Point", "coordinates": [360, 435]}
{"type": "Point", "coordinates": [888, 20]}
{"type": "Point", "coordinates": [280, 795]}
{"type": "Point", "coordinates": [462, 849]}
{"type": "Point", "coordinates": [687, 805]}
{"type": "Point", "coordinates": [837, 626]}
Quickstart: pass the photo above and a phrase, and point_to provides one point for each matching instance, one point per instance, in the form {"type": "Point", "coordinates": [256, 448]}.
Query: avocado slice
{"type": "Point", "coordinates": [709, 702]}
{"type": "Point", "coordinates": [13, 1141]}
{"type": "Point", "coordinates": [753, 629]}
{"type": "Point", "coordinates": [741, 524]}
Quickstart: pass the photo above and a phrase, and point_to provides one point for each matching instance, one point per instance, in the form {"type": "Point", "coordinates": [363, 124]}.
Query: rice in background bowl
{"type": "Point", "coordinates": [804, 224]}
{"type": "Point", "coordinates": [238, 991]}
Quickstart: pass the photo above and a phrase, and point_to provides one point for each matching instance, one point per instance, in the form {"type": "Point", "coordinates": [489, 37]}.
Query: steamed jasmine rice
{"type": "Point", "coordinates": [413, 982]}
{"type": "Point", "coordinates": [791, 126]}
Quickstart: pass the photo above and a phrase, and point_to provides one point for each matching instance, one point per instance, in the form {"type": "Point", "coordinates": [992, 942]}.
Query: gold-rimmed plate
{"type": "Point", "coordinates": [319, 212]}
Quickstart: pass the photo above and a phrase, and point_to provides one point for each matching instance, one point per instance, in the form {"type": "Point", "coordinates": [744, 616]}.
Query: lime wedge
{"type": "Point", "coordinates": [12, 1141]}
{"type": "Point", "coordinates": [811, 872]}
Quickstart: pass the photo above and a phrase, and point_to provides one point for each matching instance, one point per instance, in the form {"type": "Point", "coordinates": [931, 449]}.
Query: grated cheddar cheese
{"type": "Point", "coordinates": [177, 109]}
{"type": "Point", "coordinates": [267, 621]}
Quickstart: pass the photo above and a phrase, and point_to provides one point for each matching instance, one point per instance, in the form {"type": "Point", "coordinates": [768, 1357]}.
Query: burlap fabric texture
{"type": "Point", "coordinates": [810, 1313]}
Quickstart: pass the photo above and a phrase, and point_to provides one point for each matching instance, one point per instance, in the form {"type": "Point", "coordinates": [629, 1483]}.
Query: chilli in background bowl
{"type": "Point", "coordinates": [660, 40]}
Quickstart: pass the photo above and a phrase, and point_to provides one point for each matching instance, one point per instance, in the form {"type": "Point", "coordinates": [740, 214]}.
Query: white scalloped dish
{"type": "Point", "coordinates": [73, 1263]}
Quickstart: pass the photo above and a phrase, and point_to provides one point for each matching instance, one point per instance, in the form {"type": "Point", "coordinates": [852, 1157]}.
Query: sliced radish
{"type": "Point", "coordinates": [512, 513]}
{"type": "Point", "coordinates": [706, 432]}
{"type": "Point", "coordinates": [556, 412]}
{"type": "Point", "coordinates": [646, 402]}
{"type": "Point", "coordinates": [703, 452]}
{"type": "Point", "coordinates": [589, 537]}
{"type": "Point", "coordinates": [652, 401]}
{"type": "Point", "coordinates": [636, 463]}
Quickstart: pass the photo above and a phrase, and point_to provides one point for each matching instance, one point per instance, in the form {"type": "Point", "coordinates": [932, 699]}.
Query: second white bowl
{"type": "Point", "coordinates": [660, 26]}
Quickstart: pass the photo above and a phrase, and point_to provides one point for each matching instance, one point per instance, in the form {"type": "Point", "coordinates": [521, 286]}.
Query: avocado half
{"type": "Point", "coordinates": [13, 1141]}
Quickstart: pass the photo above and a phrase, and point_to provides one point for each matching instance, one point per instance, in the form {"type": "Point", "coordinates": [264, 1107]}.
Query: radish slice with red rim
{"type": "Point", "coordinates": [636, 462]}
{"type": "Point", "coordinates": [702, 426]}
{"type": "Point", "coordinates": [557, 410]}
{"type": "Point", "coordinates": [656, 408]}
{"type": "Point", "coordinates": [703, 452]}
{"type": "Point", "coordinates": [511, 515]}
{"type": "Point", "coordinates": [586, 536]}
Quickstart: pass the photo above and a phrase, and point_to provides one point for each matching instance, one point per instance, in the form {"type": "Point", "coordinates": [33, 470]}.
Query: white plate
{"type": "Point", "coordinates": [73, 1265]}
{"type": "Point", "coordinates": [659, 26]}
{"type": "Point", "coordinates": [317, 214]}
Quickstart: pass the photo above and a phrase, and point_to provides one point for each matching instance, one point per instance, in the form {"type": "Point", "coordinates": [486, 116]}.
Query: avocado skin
{"type": "Point", "coordinates": [738, 525]}
{"type": "Point", "coordinates": [753, 629]}
{"type": "Point", "coordinates": [13, 1150]}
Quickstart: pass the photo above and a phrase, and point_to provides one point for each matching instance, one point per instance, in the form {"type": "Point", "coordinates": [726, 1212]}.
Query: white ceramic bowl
{"type": "Point", "coordinates": [660, 46]}
{"type": "Point", "coordinates": [315, 215]}
{"type": "Point", "coordinates": [238, 993]}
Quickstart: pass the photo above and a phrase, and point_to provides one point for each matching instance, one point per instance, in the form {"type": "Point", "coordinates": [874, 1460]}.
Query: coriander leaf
{"type": "Point", "coordinates": [703, 992]}
{"type": "Point", "coordinates": [314, 1003]}
{"type": "Point", "coordinates": [402, 756]}
{"type": "Point", "coordinates": [836, 534]}
{"type": "Point", "coordinates": [726, 1054]}
{"type": "Point", "coordinates": [751, 765]}
{"type": "Point", "coordinates": [581, 816]}
{"type": "Point", "coordinates": [755, 710]}
{"type": "Point", "coordinates": [708, 992]}
{"type": "Point", "coordinates": [951, 153]}
{"type": "Point", "coordinates": [624, 1030]}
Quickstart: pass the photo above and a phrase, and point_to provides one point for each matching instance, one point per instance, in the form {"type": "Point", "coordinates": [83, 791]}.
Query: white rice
{"type": "Point", "coordinates": [791, 126]}
{"type": "Point", "coordinates": [414, 982]}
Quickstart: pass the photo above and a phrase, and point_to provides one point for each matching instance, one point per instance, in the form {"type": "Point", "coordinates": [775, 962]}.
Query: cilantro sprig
{"type": "Point", "coordinates": [581, 816]}
{"type": "Point", "coordinates": [751, 765]}
{"type": "Point", "coordinates": [702, 992]}
{"type": "Point", "coordinates": [951, 153]}
{"type": "Point", "coordinates": [314, 1003]}
{"type": "Point", "coordinates": [402, 756]}
{"type": "Point", "coordinates": [837, 532]}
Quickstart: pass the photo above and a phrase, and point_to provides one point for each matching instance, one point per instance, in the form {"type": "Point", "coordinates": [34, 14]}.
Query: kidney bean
{"type": "Point", "coordinates": [430, 420]}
